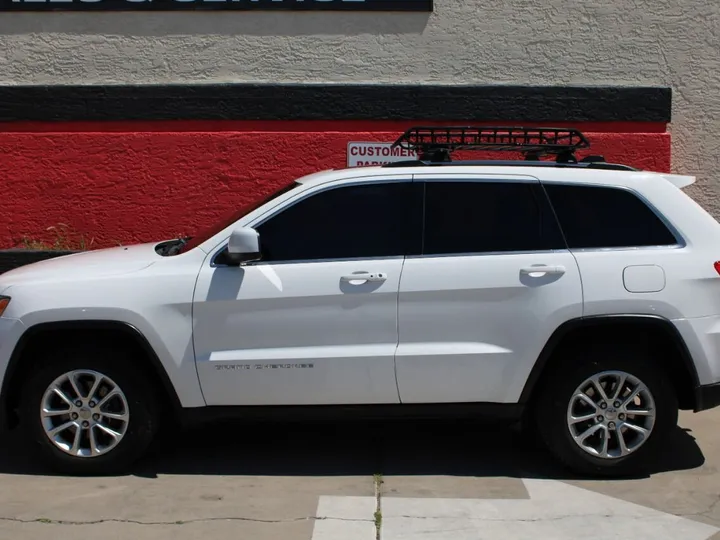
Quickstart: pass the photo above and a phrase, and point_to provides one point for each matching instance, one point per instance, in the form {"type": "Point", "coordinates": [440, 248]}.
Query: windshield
{"type": "Point", "coordinates": [211, 231]}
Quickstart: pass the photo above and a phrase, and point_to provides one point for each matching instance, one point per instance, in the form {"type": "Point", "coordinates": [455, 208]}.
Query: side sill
{"type": "Point", "coordinates": [506, 412]}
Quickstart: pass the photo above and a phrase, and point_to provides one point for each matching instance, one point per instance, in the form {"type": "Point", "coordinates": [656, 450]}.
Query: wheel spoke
{"type": "Point", "coordinates": [93, 442]}
{"type": "Point", "coordinates": [76, 442]}
{"type": "Point", "coordinates": [114, 434]}
{"type": "Point", "coordinates": [49, 413]}
{"type": "Point", "coordinates": [59, 393]}
{"type": "Point", "coordinates": [587, 399]}
{"type": "Point", "coordinates": [631, 397]}
{"type": "Point", "coordinates": [114, 392]}
{"type": "Point", "coordinates": [588, 433]}
{"type": "Point", "coordinates": [620, 387]}
{"type": "Point", "coordinates": [598, 386]}
{"type": "Point", "coordinates": [606, 441]}
{"type": "Point", "coordinates": [621, 441]}
{"type": "Point", "coordinates": [115, 416]}
{"type": "Point", "coordinates": [637, 428]}
{"type": "Point", "coordinates": [71, 378]}
{"type": "Point", "coordinates": [95, 386]}
{"type": "Point", "coordinates": [62, 427]}
{"type": "Point", "coordinates": [583, 418]}
{"type": "Point", "coordinates": [640, 412]}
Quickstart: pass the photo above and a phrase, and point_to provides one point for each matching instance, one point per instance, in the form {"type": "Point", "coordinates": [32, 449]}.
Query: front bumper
{"type": "Point", "coordinates": [707, 397]}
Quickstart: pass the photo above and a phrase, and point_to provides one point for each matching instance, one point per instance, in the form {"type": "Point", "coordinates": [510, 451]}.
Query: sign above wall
{"type": "Point", "coordinates": [364, 154]}
{"type": "Point", "coordinates": [244, 5]}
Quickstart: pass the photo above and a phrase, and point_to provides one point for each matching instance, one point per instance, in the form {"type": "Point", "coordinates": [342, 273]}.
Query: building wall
{"type": "Point", "coordinates": [136, 182]}
{"type": "Point", "coordinates": [148, 185]}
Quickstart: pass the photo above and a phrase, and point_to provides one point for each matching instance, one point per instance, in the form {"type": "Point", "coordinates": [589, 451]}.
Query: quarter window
{"type": "Point", "coordinates": [478, 217]}
{"type": "Point", "coordinates": [602, 217]}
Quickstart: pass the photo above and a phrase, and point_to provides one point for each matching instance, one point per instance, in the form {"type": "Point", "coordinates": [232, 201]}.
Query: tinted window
{"type": "Point", "coordinates": [599, 217]}
{"type": "Point", "coordinates": [476, 217]}
{"type": "Point", "coordinates": [350, 222]}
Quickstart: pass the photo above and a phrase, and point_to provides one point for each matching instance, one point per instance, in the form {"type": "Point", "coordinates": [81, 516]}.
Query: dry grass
{"type": "Point", "coordinates": [62, 239]}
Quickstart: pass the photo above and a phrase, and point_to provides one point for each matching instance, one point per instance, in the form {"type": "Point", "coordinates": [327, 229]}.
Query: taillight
{"type": "Point", "coordinates": [716, 264]}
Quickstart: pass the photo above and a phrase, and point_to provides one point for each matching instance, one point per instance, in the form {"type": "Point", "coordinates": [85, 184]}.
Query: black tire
{"type": "Point", "coordinates": [119, 366]}
{"type": "Point", "coordinates": [550, 414]}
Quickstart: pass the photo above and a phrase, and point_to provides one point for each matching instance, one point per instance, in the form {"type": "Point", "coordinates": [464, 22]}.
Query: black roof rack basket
{"type": "Point", "coordinates": [437, 143]}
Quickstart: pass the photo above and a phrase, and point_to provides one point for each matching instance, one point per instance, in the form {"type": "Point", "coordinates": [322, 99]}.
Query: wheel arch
{"type": "Point", "coordinates": [17, 370]}
{"type": "Point", "coordinates": [635, 327]}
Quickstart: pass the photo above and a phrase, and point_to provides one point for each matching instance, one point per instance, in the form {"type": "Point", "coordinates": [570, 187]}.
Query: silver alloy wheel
{"type": "Point", "coordinates": [611, 414]}
{"type": "Point", "coordinates": [84, 413]}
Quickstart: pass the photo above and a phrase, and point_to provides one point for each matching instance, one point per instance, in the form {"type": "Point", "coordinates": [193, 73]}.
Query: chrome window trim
{"type": "Point", "coordinates": [486, 254]}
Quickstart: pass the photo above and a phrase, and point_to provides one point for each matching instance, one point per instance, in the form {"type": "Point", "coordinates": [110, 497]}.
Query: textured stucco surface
{"type": "Point", "coordinates": [133, 187]}
{"type": "Point", "coordinates": [627, 42]}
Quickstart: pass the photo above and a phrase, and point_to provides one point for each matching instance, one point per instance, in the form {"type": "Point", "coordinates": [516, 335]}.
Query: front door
{"type": "Point", "coordinates": [492, 284]}
{"type": "Point", "coordinates": [314, 321]}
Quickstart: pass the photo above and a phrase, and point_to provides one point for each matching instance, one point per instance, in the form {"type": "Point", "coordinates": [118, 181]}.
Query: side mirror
{"type": "Point", "coordinates": [244, 245]}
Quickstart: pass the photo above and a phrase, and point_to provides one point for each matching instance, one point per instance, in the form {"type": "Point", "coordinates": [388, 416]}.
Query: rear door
{"type": "Point", "coordinates": [492, 283]}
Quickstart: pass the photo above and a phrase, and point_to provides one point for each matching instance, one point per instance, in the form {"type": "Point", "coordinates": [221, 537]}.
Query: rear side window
{"type": "Point", "coordinates": [481, 217]}
{"type": "Point", "coordinates": [601, 217]}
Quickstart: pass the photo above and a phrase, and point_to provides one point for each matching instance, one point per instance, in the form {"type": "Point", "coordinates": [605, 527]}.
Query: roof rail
{"type": "Point", "coordinates": [582, 164]}
{"type": "Point", "coordinates": [435, 144]}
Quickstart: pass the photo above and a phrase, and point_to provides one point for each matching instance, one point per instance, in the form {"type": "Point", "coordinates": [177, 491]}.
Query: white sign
{"type": "Point", "coordinates": [365, 154]}
{"type": "Point", "coordinates": [554, 511]}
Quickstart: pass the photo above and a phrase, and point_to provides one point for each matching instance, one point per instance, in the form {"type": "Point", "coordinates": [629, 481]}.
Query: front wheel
{"type": "Point", "coordinates": [89, 411]}
{"type": "Point", "coordinates": [606, 411]}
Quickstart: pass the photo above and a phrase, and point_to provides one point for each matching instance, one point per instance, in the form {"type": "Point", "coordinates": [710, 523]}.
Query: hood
{"type": "Point", "coordinates": [87, 264]}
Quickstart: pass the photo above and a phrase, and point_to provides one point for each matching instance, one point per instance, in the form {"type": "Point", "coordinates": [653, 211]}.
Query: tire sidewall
{"type": "Point", "coordinates": [141, 405]}
{"type": "Point", "coordinates": [552, 414]}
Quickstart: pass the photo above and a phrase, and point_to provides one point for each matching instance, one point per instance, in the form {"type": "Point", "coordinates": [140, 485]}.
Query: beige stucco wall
{"type": "Point", "coordinates": [659, 42]}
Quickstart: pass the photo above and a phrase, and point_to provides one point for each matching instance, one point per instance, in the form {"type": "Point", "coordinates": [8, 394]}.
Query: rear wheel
{"type": "Point", "coordinates": [89, 411]}
{"type": "Point", "coordinates": [605, 411]}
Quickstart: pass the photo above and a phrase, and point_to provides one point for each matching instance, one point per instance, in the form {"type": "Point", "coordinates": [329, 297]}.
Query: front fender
{"type": "Point", "coordinates": [171, 353]}
{"type": "Point", "coordinates": [156, 302]}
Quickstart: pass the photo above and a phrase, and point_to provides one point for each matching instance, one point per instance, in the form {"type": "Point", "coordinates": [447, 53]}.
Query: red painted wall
{"type": "Point", "coordinates": [134, 183]}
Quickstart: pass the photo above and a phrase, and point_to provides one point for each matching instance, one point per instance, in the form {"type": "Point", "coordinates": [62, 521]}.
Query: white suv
{"type": "Point", "coordinates": [580, 297]}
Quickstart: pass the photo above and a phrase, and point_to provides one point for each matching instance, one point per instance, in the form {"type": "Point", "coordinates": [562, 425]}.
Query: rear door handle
{"type": "Point", "coordinates": [365, 276]}
{"type": "Point", "coordinates": [543, 269]}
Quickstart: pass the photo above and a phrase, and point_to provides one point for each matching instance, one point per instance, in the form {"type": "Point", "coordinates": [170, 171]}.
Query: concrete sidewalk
{"type": "Point", "coordinates": [315, 482]}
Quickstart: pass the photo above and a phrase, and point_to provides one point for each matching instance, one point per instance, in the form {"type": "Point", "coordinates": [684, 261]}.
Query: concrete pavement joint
{"type": "Point", "coordinates": [524, 520]}
{"type": "Point", "coordinates": [46, 521]}
{"type": "Point", "coordinates": [378, 481]}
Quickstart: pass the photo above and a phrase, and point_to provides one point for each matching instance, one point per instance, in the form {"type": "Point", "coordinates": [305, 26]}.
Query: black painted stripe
{"type": "Point", "coordinates": [232, 5]}
{"type": "Point", "coordinates": [336, 102]}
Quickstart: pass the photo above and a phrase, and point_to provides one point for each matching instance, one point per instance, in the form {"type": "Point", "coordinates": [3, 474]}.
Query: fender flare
{"type": "Point", "coordinates": [602, 320]}
{"type": "Point", "coordinates": [108, 325]}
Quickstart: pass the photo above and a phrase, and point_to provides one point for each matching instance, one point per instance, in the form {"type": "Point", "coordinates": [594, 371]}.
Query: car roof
{"type": "Point", "coordinates": [572, 175]}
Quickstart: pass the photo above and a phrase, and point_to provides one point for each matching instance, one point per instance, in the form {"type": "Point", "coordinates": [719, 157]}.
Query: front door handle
{"type": "Point", "coordinates": [543, 269]}
{"type": "Point", "coordinates": [365, 276]}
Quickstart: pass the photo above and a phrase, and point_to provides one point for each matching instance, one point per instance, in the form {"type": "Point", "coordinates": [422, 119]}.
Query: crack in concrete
{"type": "Point", "coordinates": [705, 513]}
{"type": "Point", "coordinates": [46, 521]}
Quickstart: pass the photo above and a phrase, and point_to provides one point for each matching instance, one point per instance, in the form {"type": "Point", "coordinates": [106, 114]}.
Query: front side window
{"type": "Point", "coordinates": [605, 217]}
{"type": "Point", "coordinates": [482, 217]}
{"type": "Point", "coordinates": [361, 221]}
